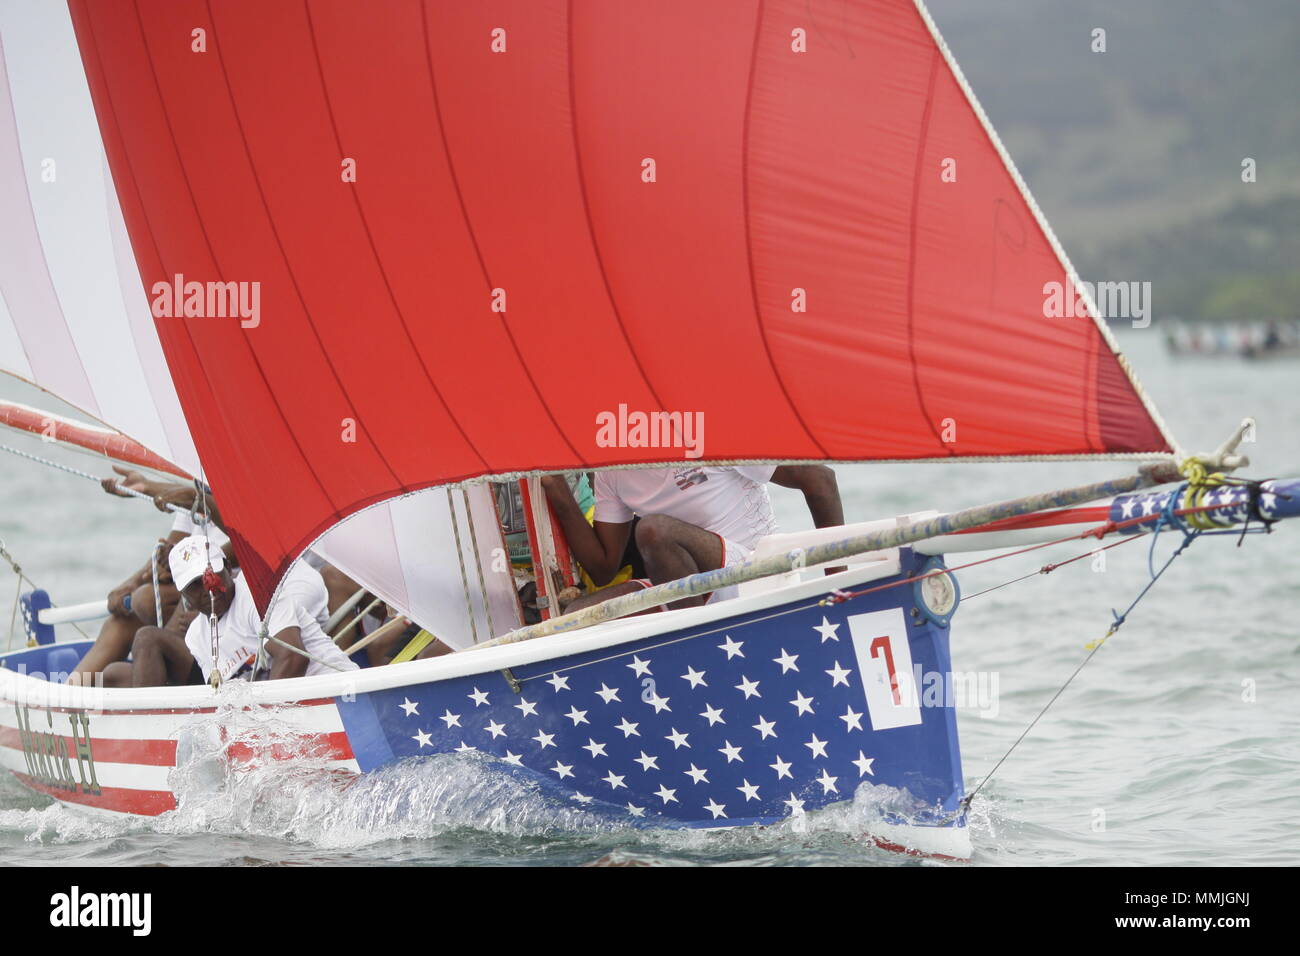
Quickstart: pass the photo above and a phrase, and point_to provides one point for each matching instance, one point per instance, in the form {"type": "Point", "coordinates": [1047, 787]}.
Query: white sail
{"type": "Point", "coordinates": [405, 551]}
{"type": "Point", "coordinates": [73, 315]}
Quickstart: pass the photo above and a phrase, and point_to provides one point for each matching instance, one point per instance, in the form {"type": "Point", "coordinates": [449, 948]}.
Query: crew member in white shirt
{"type": "Point", "coordinates": [692, 519]}
{"type": "Point", "coordinates": [295, 618]}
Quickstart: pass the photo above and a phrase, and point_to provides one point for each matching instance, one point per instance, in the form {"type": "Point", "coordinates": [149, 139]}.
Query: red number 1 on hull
{"type": "Point", "coordinates": [882, 644]}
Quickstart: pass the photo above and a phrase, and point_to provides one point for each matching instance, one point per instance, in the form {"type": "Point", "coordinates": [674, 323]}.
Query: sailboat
{"type": "Point", "coordinates": [363, 263]}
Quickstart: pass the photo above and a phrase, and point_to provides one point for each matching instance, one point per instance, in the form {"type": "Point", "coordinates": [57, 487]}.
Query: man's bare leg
{"type": "Point", "coordinates": [117, 674]}
{"type": "Point", "coordinates": [673, 549]}
{"type": "Point", "coordinates": [160, 658]}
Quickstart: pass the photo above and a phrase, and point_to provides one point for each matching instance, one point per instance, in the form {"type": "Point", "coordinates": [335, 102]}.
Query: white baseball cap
{"type": "Point", "coordinates": [190, 557]}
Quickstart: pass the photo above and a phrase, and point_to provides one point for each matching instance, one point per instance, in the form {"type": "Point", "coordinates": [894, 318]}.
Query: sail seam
{"type": "Point", "coordinates": [184, 174]}
{"type": "Point", "coordinates": [1046, 228]}
{"type": "Point", "coordinates": [473, 236]}
{"type": "Point", "coordinates": [749, 238]}
{"type": "Point", "coordinates": [284, 257]}
{"type": "Point", "coordinates": [911, 254]}
{"type": "Point", "coordinates": [132, 179]}
{"type": "Point", "coordinates": [374, 249]}
{"type": "Point", "coordinates": [586, 211]}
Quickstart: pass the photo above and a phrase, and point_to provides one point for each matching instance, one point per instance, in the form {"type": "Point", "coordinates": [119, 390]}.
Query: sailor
{"type": "Point", "coordinates": [692, 519]}
{"type": "Point", "coordinates": [207, 584]}
{"type": "Point", "coordinates": [133, 604]}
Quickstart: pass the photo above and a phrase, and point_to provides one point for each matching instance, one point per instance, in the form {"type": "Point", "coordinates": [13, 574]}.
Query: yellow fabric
{"type": "Point", "coordinates": [624, 574]}
{"type": "Point", "coordinates": [416, 644]}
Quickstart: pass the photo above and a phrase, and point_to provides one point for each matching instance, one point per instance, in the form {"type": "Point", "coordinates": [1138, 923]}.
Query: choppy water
{"type": "Point", "coordinates": [1155, 734]}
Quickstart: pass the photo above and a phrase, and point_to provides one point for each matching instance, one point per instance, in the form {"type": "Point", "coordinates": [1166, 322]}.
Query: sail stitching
{"type": "Point", "coordinates": [132, 179]}
{"type": "Point", "coordinates": [473, 237]}
{"type": "Point", "coordinates": [911, 256]}
{"type": "Point", "coordinates": [284, 256]}
{"type": "Point", "coordinates": [749, 238]}
{"type": "Point", "coordinates": [112, 111]}
{"type": "Point", "coordinates": [1043, 224]}
{"type": "Point", "coordinates": [586, 212]}
{"type": "Point", "coordinates": [374, 249]}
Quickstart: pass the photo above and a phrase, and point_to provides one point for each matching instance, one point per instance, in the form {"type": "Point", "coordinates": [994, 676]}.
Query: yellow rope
{"type": "Point", "coordinates": [1199, 481]}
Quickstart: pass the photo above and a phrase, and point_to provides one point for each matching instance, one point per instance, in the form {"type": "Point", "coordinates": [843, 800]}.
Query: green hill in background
{"type": "Point", "coordinates": [1135, 153]}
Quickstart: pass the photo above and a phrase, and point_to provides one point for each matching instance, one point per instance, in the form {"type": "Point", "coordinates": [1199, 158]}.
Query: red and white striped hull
{"type": "Point", "coordinates": [121, 761]}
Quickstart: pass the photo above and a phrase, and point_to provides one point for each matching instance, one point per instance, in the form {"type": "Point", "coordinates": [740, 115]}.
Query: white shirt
{"type": "Point", "coordinates": [730, 501]}
{"type": "Point", "coordinates": [183, 522]}
{"type": "Point", "coordinates": [305, 586]}
{"type": "Point", "coordinates": [239, 628]}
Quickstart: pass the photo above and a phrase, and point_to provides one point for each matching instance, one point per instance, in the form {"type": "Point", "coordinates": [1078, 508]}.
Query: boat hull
{"type": "Point", "coordinates": [741, 714]}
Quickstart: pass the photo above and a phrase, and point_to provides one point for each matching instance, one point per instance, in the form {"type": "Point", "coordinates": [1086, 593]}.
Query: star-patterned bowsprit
{"type": "Point", "coordinates": [748, 724]}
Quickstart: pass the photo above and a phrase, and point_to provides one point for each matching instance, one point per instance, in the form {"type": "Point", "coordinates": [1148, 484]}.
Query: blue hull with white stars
{"type": "Point", "coordinates": [741, 720]}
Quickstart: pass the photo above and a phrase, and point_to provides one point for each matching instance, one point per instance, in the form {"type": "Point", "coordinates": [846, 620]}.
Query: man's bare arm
{"type": "Point", "coordinates": [118, 595]}
{"type": "Point", "coordinates": [598, 549]}
{"type": "Point", "coordinates": [164, 493]}
{"type": "Point", "coordinates": [820, 490]}
{"type": "Point", "coordinates": [284, 662]}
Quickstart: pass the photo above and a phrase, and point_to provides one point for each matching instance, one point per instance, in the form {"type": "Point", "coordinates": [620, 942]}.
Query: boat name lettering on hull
{"type": "Point", "coordinates": [47, 753]}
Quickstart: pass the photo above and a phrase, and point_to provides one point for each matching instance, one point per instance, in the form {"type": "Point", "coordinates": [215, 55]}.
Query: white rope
{"type": "Point", "coordinates": [303, 652]}
{"type": "Point", "coordinates": [80, 474]}
{"type": "Point", "coordinates": [157, 592]}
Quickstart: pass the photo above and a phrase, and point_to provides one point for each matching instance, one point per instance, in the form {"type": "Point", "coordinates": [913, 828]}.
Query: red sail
{"type": "Point", "coordinates": [478, 229]}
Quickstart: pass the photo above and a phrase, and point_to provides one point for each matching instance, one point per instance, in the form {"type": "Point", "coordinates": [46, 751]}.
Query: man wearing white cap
{"type": "Point", "coordinates": [160, 658]}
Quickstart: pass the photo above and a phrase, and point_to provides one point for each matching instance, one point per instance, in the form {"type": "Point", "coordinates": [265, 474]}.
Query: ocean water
{"type": "Point", "coordinates": [1178, 744]}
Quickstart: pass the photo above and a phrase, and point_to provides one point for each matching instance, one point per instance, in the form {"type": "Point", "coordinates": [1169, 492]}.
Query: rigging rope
{"type": "Point", "coordinates": [1168, 515]}
{"type": "Point", "coordinates": [79, 473]}
{"type": "Point", "coordinates": [157, 592]}
{"type": "Point", "coordinates": [18, 596]}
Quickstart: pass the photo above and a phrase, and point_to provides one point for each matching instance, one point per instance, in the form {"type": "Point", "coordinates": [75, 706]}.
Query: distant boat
{"type": "Point", "coordinates": [1254, 339]}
